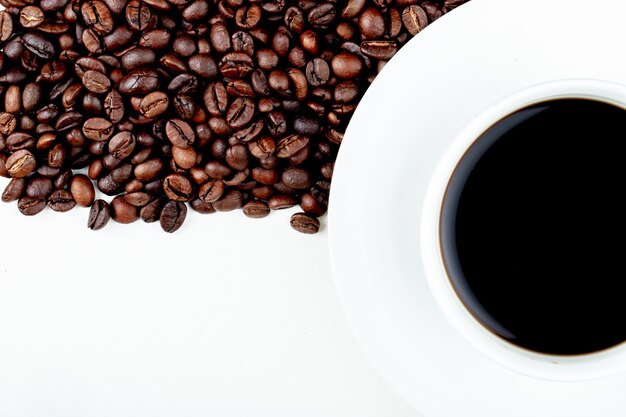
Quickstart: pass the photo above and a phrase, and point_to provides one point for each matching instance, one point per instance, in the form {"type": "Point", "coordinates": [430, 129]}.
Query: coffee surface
{"type": "Point", "coordinates": [534, 224]}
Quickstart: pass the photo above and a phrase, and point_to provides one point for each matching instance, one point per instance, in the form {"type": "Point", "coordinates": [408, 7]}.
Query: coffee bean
{"type": "Point", "coordinates": [154, 39]}
{"type": "Point", "coordinates": [322, 15]}
{"type": "Point", "coordinates": [121, 145]}
{"type": "Point", "coordinates": [82, 190]}
{"type": "Point", "coordinates": [256, 209]}
{"type": "Point", "coordinates": [353, 8]}
{"type": "Point", "coordinates": [122, 211]}
{"type": "Point", "coordinates": [61, 201]}
{"type": "Point", "coordinates": [173, 216]}
{"type": "Point", "coordinates": [99, 215]}
{"type": "Point", "coordinates": [39, 188]}
{"type": "Point", "coordinates": [178, 188]}
{"type": "Point", "coordinates": [281, 201]}
{"type": "Point", "coordinates": [291, 145]}
{"type": "Point", "coordinates": [236, 65]}
{"type": "Point", "coordinates": [216, 99]}
{"type": "Point", "coordinates": [180, 133]}
{"type": "Point", "coordinates": [114, 106]}
{"type": "Point", "coordinates": [151, 212]}
{"type": "Point", "coordinates": [29, 206]}
{"type": "Point", "coordinates": [67, 120]}
{"type": "Point", "coordinates": [346, 65]}
{"type": "Point", "coordinates": [139, 81]}
{"type": "Point", "coordinates": [240, 113]}
{"type": "Point", "coordinates": [38, 45]}
{"type": "Point", "coordinates": [231, 200]}
{"type": "Point", "coordinates": [138, 15]}
{"type": "Point", "coordinates": [97, 15]}
{"type": "Point", "coordinates": [96, 82]}
{"type": "Point", "coordinates": [317, 72]}
{"type": "Point", "coordinates": [14, 190]}
{"type": "Point", "coordinates": [8, 123]}
{"type": "Point", "coordinates": [248, 16]}
{"type": "Point", "coordinates": [98, 129]}
{"type": "Point", "coordinates": [379, 49]}
{"type": "Point", "coordinates": [241, 42]}
{"type": "Point", "coordinates": [414, 19]}
{"type": "Point", "coordinates": [149, 169]}
{"type": "Point", "coordinates": [57, 156]}
{"type": "Point", "coordinates": [220, 39]}
{"type": "Point", "coordinates": [304, 223]}
{"type": "Point", "coordinates": [154, 104]}
{"type": "Point", "coordinates": [6, 25]}
{"type": "Point", "coordinates": [20, 163]}
{"type": "Point", "coordinates": [296, 178]}
{"type": "Point", "coordinates": [31, 17]}
{"type": "Point", "coordinates": [137, 57]}
{"type": "Point", "coordinates": [372, 23]}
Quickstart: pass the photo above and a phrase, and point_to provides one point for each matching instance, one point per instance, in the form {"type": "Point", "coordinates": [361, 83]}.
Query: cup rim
{"type": "Point", "coordinates": [579, 367]}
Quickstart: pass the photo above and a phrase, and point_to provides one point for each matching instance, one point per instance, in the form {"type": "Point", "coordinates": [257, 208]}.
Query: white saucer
{"type": "Point", "coordinates": [435, 86]}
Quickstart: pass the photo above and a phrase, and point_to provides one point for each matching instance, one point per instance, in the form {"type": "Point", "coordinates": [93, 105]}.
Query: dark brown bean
{"type": "Point", "coordinates": [122, 211]}
{"type": "Point", "coordinates": [304, 223]}
{"type": "Point", "coordinates": [82, 190]}
{"type": "Point", "coordinates": [99, 215]}
{"type": "Point", "coordinates": [173, 216]}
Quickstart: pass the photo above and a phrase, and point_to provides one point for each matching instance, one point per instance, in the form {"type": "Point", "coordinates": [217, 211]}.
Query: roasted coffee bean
{"type": "Point", "coordinates": [217, 103]}
{"type": "Point", "coordinates": [180, 133]}
{"type": "Point", "coordinates": [82, 190]}
{"type": "Point", "coordinates": [177, 187]}
{"type": "Point", "coordinates": [305, 223]}
{"type": "Point", "coordinates": [346, 65]}
{"type": "Point", "coordinates": [138, 15]}
{"type": "Point", "coordinates": [61, 201]}
{"type": "Point", "coordinates": [236, 65]}
{"type": "Point", "coordinates": [379, 49]}
{"type": "Point", "coordinates": [14, 190]}
{"type": "Point", "coordinates": [99, 215]}
{"type": "Point", "coordinates": [57, 156]}
{"type": "Point", "coordinates": [20, 163]}
{"type": "Point", "coordinates": [137, 57]}
{"type": "Point", "coordinates": [241, 42]}
{"type": "Point", "coordinates": [231, 200]}
{"type": "Point", "coordinates": [121, 145]}
{"type": "Point", "coordinates": [173, 216]}
{"type": "Point", "coordinates": [38, 44]}
{"type": "Point", "coordinates": [29, 206]}
{"type": "Point", "coordinates": [256, 209]}
{"type": "Point", "coordinates": [154, 104]}
{"type": "Point", "coordinates": [139, 81]}
{"type": "Point", "coordinates": [97, 15]}
{"type": "Point", "coordinates": [240, 113]}
{"type": "Point", "coordinates": [31, 16]}
{"type": "Point", "coordinates": [39, 188]}
{"type": "Point", "coordinates": [122, 211]}
{"type": "Point", "coordinates": [98, 129]}
{"type": "Point", "coordinates": [8, 123]}
{"type": "Point", "coordinates": [296, 178]}
{"type": "Point", "coordinates": [317, 72]}
{"type": "Point", "coordinates": [114, 106]}
{"type": "Point", "coordinates": [6, 25]}
{"type": "Point", "coordinates": [281, 201]}
{"type": "Point", "coordinates": [150, 212]}
{"type": "Point", "coordinates": [414, 19]}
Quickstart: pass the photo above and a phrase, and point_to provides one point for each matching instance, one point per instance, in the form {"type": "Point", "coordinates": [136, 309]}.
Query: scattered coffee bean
{"type": "Point", "coordinates": [305, 223]}
{"type": "Point", "coordinates": [173, 216]}
{"type": "Point", "coordinates": [99, 215]}
{"type": "Point", "coordinates": [223, 104]}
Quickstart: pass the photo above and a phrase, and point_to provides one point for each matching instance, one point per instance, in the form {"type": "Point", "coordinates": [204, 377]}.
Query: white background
{"type": "Point", "coordinates": [227, 317]}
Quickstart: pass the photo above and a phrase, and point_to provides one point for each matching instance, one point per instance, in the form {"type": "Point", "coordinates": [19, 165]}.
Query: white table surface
{"type": "Point", "coordinates": [227, 317]}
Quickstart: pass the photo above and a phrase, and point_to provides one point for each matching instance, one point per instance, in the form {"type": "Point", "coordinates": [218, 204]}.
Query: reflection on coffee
{"type": "Point", "coordinates": [533, 227]}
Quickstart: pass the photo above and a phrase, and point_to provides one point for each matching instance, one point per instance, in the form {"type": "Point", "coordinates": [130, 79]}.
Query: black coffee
{"type": "Point", "coordinates": [533, 227]}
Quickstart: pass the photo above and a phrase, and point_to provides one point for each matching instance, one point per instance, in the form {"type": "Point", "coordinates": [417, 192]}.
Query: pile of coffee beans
{"type": "Point", "coordinates": [222, 104]}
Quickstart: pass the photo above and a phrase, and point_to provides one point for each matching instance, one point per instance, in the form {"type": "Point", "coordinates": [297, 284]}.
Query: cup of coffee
{"type": "Point", "coordinates": [523, 231]}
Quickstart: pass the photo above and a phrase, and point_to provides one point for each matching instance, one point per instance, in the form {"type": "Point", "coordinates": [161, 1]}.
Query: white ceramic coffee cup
{"type": "Point", "coordinates": [552, 367]}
